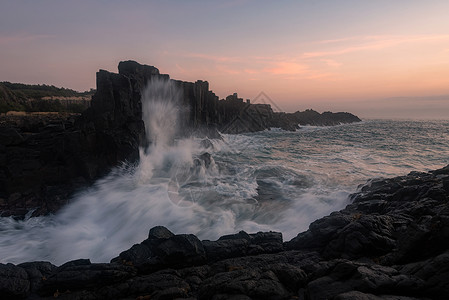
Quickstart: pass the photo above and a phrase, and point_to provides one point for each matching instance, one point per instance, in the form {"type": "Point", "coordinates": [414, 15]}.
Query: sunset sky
{"type": "Point", "coordinates": [378, 58]}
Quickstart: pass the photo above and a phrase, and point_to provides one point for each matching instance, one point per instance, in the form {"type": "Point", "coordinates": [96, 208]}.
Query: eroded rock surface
{"type": "Point", "coordinates": [391, 242]}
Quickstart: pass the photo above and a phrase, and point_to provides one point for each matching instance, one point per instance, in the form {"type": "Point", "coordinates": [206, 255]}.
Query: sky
{"type": "Point", "coordinates": [377, 59]}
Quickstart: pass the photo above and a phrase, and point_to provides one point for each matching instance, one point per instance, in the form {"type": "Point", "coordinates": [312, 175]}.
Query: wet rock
{"type": "Point", "coordinates": [355, 295]}
{"type": "Point", "coordinates": [349, 276]}
{"type": "Point", "coordinates": [207, 144]}
{"type": "Point", "coordinates": [378, 247]}
{"type": "Point", "coordinates": [291, 276]}
{"type": "Point", "coordinates": [250, 283]}
{"type": "Point", "coordinates": [14, 282]}
{"type": "Point", "coordinates": [137, 255]}
{"type": "Point", "coordinates": [182, 249]}
{"type": "Point", "coordinates": [164, 249]}
{"type": "Point", "coordinates": [242, 243]}
{"type": "Point", "coordinates": [159, 234]}
{"type": "Point", "coordinates": [79, 275]}
{"type": "Point", "coordinates": [365, 236]}
{"type": "Point", "coordinates": [159, 284]}
{"type": "Point", "coordinates": [37, 272]}
{"type": "Point", "coordinates": [226, 248]}
{"type": "Point", "coordinates": [320, 232]}
{"type": "Point", "coordinates": [387, 219]}
{"type": "Point", "coordinates": [206, 158]}
{"type": "Point", "coordinates": [433, 272]}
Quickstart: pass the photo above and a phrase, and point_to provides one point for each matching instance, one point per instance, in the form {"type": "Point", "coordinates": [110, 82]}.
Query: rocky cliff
{"type": "Point", "coordinates": [43, 159]}
{"type": "Point", "coordinates": [391, 242]}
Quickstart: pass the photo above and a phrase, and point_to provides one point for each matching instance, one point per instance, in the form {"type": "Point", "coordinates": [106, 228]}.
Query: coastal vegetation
{"type": "Point", "coordinates": [42, 98]}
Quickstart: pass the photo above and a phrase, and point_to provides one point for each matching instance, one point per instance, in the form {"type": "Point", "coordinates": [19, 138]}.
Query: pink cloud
{"type": "Point", "coordinates": [376, 42]}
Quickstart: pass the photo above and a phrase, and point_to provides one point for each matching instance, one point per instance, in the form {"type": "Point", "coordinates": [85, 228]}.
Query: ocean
{"type": "Point", "coordinates": [266, 181]}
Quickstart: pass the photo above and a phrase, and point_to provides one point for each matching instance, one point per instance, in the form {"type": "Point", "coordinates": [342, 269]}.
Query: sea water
{"type": "Point", "coordinates": [271, 180]}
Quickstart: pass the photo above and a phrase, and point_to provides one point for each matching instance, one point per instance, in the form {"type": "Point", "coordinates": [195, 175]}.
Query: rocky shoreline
{"type": "Point", "coordinates": [391, 242]}
{"type": "Point", "coordinates": [44, 159]}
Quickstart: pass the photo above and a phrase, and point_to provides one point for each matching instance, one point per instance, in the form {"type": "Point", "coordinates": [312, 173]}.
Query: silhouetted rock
{"type": "Point", "coordinates": [386, 244]}
{"type": "Point", "coordinates": [38, 272]}
{"type": "Point", "coordinates": [163, 249]}
{"type": "Point", "coordinates": [84, 275]}
{"type": "Point", "coordinates": [398, 220]}
{"type": "Point", "coordinates": [14, 283]}
{"type": "Point", "coordinates": [45, 158]}
{"type": "Point", "coordinates": [243, 244]}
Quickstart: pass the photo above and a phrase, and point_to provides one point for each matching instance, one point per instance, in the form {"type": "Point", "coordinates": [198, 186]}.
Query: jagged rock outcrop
{"type": "Point", "coordinates": [391, 242]}
{"type": "Point", "coordinates": [44, 159]}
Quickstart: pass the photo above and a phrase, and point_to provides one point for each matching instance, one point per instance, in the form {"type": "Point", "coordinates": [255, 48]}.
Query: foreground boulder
{"type": "Point", "coordinates": [391, 242]}
{"type": "Point", "coordinates": [394, 221]}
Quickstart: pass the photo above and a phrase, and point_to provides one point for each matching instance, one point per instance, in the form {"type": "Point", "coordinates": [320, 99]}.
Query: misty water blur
{"type": "Point", "coordinates": [271, 180]}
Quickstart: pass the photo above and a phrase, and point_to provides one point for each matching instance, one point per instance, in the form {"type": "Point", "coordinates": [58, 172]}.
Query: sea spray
{"type": "Point", "coordinates": [278, 180]}
{"type": "Point", "coordinates": [161, 107]}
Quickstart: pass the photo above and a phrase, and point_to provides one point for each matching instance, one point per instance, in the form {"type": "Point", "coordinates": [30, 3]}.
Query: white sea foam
{"type": "Point", "coordinates": [278, 180]}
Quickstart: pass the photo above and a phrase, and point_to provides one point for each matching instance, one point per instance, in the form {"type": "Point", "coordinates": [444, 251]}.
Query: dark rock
{"type": "Point", "coordinates": [387, 219]}
{"type": "Point", "coordinates": [434, 273]}
{"type": "Point", "coordinates": [10, 137]}
{"type": "Point", "coordinates": [225, 249]}
{"type": "Point", "coordinates": [206, 158]}
{"type": "Point", "coordinates": [14, 282]}
{"type": "Point", "coordinates": [320, 232]}
{"type": "Point", "coordinates": [79, 275]}
{"type": "Point", "coordinates": [207, 144]}
{"type": "Point", "coordinates": [251, 283]}
{"type": "Point", "coordinates": [243, 244]}
{"type": "Point", "coordinates": [159, 233]}
{"type": "Point", "coordinates": [75, 263]}
{"type": "Point", "coordinates": [44, 159]}
{"type": "Point", "coordinates": [387, 248]}
{"type": "Point", "coordinates": [349, 276]}
{"type": "Point", "coordinates": [138, 254]}
{"type": "Point", "coordinates": [364, 236]}
{"type": "Point", "coordinates": [37, 272]}
{"type": "Point", "coordinates": [182, 249]}
{"type": "Point", "coordinates": [164, 249]}
{"type": "Point", "coordinates": [355, 295]}
{"type": "Point", "coordinates": [158, 282]}
{"type": "Point", "coordinates": [292, 277]}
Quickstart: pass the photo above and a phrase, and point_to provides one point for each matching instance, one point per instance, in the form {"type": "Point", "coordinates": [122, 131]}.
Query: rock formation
{"type": "Point", "coordinates": [44, 159]}
{"type": "Point", "coordinates": [391, 242]}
